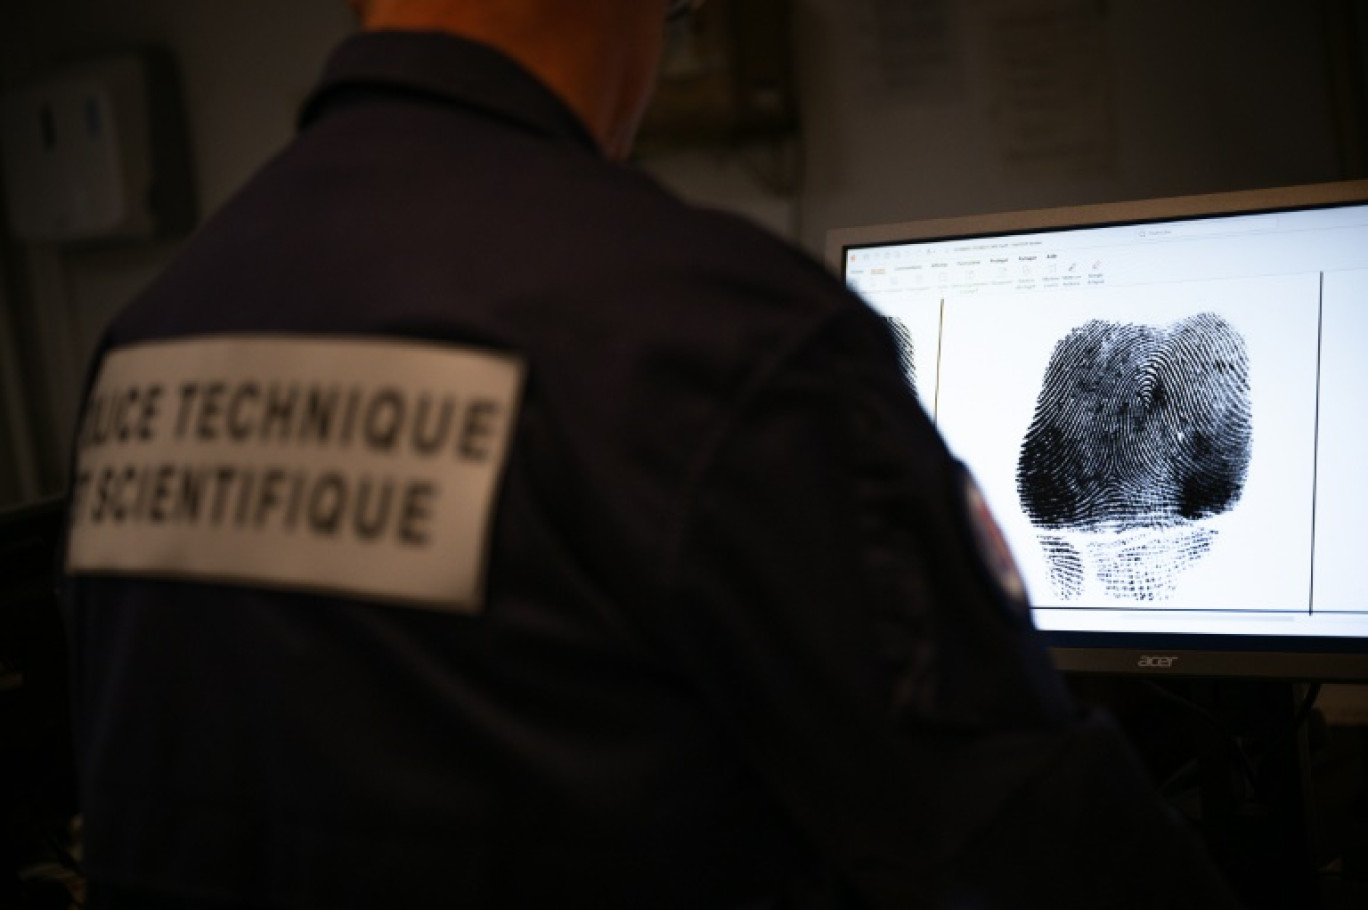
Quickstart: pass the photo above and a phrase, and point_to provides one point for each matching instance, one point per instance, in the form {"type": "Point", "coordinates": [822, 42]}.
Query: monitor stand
{"type": "Point", "coordinates": [1250, 740]}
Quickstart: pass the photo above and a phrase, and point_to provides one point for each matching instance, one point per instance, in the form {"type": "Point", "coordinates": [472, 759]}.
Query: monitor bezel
{"type": "Point", "coordinates": [1303, 658]}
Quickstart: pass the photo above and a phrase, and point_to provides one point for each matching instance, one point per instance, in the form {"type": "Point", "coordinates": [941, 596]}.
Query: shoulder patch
{"type": "Point", "coordinates": [993, 552]}
{"type": "Point", "coordinates": [362, 467]}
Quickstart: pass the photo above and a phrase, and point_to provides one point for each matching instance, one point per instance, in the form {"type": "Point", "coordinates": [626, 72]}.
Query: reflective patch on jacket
{"type": "Point", "coordinates": [362, 467]}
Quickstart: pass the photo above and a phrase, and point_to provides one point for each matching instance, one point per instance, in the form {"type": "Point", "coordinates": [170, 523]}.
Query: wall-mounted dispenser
{"type": "Point", "coordinates": [97, 153]}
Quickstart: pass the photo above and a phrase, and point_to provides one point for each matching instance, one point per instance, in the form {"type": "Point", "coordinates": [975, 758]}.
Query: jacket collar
{"type": "Point", "coordinates": [443, 68]}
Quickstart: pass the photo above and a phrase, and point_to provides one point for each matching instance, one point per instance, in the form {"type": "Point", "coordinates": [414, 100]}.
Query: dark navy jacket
{"type": "Point", "coordinates": [738, 643]}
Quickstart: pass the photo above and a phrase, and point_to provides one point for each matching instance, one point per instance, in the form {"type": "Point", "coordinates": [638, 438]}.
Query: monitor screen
{"type": "Point", "coordinates": [1166, 405]}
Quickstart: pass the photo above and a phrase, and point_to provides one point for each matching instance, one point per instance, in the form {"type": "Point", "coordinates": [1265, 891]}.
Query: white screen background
{"type": "Point", "coordinates": [1341, 564]}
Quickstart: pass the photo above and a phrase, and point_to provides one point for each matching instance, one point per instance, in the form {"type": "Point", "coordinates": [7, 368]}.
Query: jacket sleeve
{"type": "Point", "coordinates": [830, 595]}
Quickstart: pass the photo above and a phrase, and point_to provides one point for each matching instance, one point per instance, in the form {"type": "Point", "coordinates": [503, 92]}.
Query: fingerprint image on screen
{"type": "Point", "coordinates": [1140, 434]}
{"type": "Point", "coordinates": [907, 350]}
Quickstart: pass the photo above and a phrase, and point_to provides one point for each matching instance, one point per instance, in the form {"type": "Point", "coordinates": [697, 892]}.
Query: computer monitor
{"type": "Point", "coordinates": [1166, 405]}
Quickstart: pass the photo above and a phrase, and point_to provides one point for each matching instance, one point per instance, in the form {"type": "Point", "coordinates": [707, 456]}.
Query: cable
{"type": "Point", "coordinates": [1232, 741]}
{"type": "Point", "coordinates": [1275, 741]}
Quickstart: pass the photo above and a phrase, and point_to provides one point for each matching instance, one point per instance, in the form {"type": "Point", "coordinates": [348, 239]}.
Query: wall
{"type": "Point", "coordinates": [1196, 97]}
{"type": "Point", "coordinates": [908, 111]}
{"type": "Point", "coordinates": [18, 479]}
{"type": "Point", "coordinates": [245, 66]}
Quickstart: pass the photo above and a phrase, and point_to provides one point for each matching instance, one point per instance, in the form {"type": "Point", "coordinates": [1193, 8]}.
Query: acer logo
{"type": "Point", "coordinates": [1156, 662]}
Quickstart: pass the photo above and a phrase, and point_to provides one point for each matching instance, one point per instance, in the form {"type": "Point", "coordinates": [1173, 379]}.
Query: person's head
{"type": "Point", "coordinates": [600, 56]}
